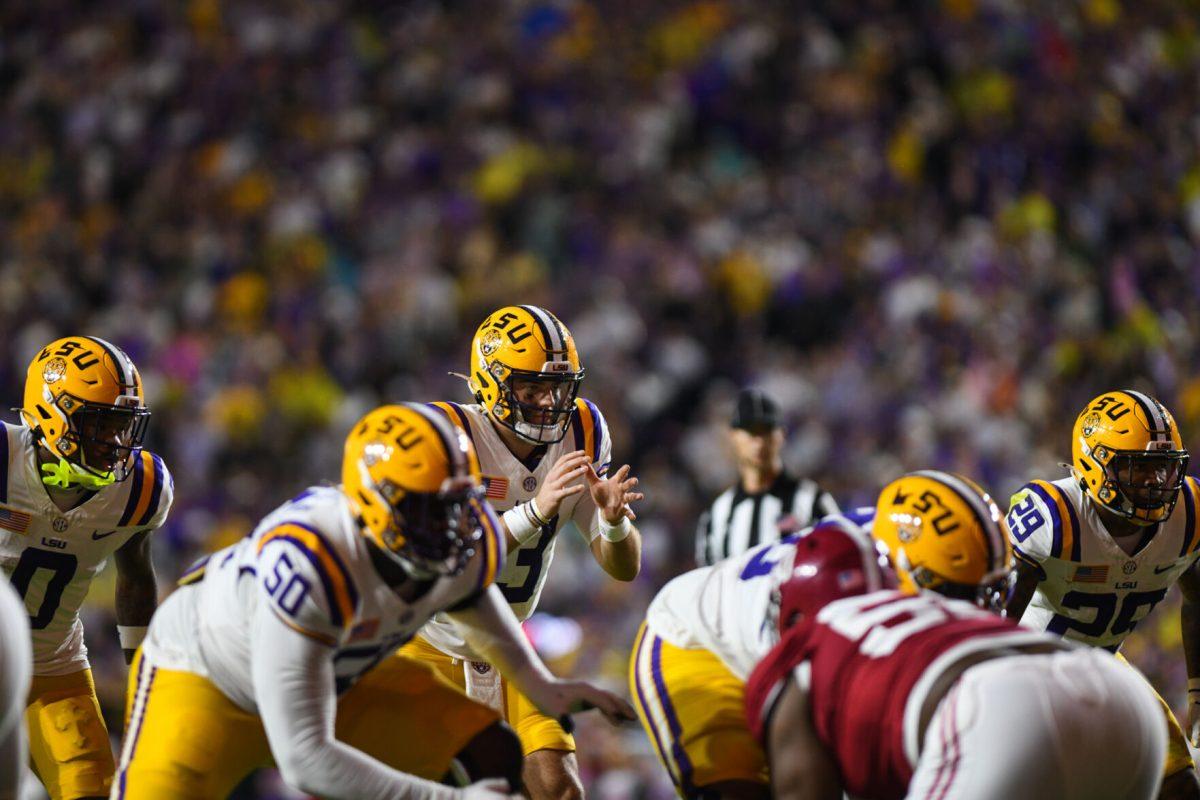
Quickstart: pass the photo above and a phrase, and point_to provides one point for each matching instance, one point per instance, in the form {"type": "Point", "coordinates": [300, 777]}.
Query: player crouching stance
{"type": "Point", "coordinates": [890, 695]}
{"type": "Point", "coordinates": [704, 631]}
{"type": "Point", "coordinates": [270, 652]}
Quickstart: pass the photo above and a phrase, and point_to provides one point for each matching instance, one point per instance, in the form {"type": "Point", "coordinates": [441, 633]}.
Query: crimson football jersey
{"type": "Point", "coordinates": [867, 663]}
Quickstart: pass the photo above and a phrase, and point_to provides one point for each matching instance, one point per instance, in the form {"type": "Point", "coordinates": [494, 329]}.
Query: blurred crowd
{"type": "Point", "coordinates": [931, 229]}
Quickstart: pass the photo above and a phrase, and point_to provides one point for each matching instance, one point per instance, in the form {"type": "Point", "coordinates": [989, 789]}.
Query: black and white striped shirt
{"type": "Point", "coordinates": [738, 520]}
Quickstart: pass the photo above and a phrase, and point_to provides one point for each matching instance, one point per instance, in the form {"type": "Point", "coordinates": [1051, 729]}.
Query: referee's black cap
{"type": "Point", "coordinates": [755, 411]}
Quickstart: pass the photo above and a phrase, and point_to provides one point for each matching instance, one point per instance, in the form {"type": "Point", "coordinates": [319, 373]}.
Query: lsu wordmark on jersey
{"type": "Point", "coordinates": [1129, 463]}
{"type": "Point", "coordinates": [1127, 474]}
{"type": "Point", "coordinates": [521, 345]}
{"type": "Point", "coordinates": [75, 487]}
{"type": "Point", "coordinates": [1092, 590]}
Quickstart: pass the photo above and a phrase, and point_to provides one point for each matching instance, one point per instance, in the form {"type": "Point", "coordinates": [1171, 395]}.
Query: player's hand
{"type": "Point", "coordinates": [613, 494]}
{"type": "Point", "coordinates": [488, 789]}
{"type": "Point", "coordinates": [561, 483]}
{"type": "Point", "coordinates": [571, 697]}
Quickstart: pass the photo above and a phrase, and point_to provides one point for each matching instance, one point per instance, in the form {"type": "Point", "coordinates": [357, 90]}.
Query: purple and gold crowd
{"type": "Point", "coordinates": [932, 230]}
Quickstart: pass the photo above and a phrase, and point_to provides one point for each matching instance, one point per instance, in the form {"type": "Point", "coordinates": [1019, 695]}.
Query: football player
{"type": "Point", "coordinates": [1097, 550]}
{"type": "Point", "coordinates": [886, 695]}
{"type": "Point", "coordinates": [16, 667]}
{"type": "Point", "coordinates": [545, 454]}
{"type": "Point", "coordinates": [275, 649]}
{"type": "Point", "coordinates": [945, 534]}
{"type": "Point", "coordinates": [704, 631]}
{"type": "Point", "coordinates": [75, 488]}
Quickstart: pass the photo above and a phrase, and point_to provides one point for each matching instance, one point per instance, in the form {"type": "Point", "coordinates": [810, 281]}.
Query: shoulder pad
{"type": "Point", "coordinates": [590, 430]}
{"type": "Point", "coordinates": [1042, 523]}
{"type": "Point", "coordinates": [151, 492]}
{"type": "Point", "coordinates": [295, 559]}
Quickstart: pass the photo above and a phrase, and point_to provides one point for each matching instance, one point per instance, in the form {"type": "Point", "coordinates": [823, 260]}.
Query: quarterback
{"type": "Point", "coordinates": [705, 630]}
{"type": "Point", "coordinates": [544, 452]}
{"type": "Point", "coordinates": [886, 695]}
{"type": "Point", "coordinates": [275, 649]}
{"type": "Point", "coordinates": [75, 488]}
{"type": "Point", "coordinates": [1097, 550]}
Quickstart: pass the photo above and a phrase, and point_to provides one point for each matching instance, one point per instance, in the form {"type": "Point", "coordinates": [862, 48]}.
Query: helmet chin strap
{"type": "Point", "coordinates": [64, 474]}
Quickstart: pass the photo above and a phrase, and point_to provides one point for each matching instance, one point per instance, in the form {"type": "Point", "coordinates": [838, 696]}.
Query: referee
{"type": "Point", "coordinates": [748, 514]}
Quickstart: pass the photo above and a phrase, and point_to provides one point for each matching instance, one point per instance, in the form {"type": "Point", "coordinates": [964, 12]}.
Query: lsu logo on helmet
{"type": "Point", "coordinates": [1129, 458]}
{"type": "Point", "coordinates": [944, 533]}
{"type": "Point", "coordinates": [413, 480]}
{"type": "Point", "coordinates": [520, 349]}
{"type": "Point", "coordinates": [84, 402]}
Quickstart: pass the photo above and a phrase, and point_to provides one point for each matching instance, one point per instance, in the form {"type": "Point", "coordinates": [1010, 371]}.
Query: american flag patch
{"type": "Point", "coordinates": [364, 630]}
{"type": "Point", "coordinates": [1089, 574]}
{"type": "Point", "coordinates": [13, 520]}
{"type": "Point", "coordinates": [495, 488]}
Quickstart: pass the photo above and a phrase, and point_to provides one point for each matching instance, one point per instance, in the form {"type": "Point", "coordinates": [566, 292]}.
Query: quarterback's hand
{"type": "Point", "coordinates": [613, 494]}
{"type": "Point", "coordinates": [571, 697]}
{"type": "Point", "coordinates": [560, 482]}
{"type": "Point", "coordinates": [488, 789]}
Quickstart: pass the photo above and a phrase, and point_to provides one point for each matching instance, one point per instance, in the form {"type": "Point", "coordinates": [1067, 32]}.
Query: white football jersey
{"type": "Point", "coordinates": [723, 608]}
{"type": "Point", "coordinates": [1090, 589]}
{"type": "Point", "coordinates": [508, 482]}
{"type": "Point", "coordinates": [51, 556]}
{"type": "Point", "coordinates": [310, 562]}
{"type": "Point", "coordinates": [16, 665]}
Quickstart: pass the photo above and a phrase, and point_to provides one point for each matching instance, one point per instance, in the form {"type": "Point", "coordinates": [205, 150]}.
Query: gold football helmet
{"type": "Point", "coordinates": [945, 534]}
{"type": "Point", "coordinates": [84, 403]}
{"type": "Point", "coordinates": [525, 371]}
{"type": "Point", "coordinates": [1128, 456]}
{"type": "Point", "coordinates": [413, 481]}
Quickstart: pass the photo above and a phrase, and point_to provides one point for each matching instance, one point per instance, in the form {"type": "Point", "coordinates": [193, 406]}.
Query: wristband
{"type": "Point", "coordinates": [131, 635]}
{"type": "Point", "coordinates": [613, 533]}
{"type": "Point", "coordinates": [524, 521]}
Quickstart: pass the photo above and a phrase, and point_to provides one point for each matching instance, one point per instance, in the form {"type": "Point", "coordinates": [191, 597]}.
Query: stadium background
{"type": "Point", "coordinates": [931, 229]}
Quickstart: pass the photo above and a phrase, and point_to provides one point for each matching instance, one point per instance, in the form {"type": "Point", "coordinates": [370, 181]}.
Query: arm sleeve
{"type": "Point", "coordinates": [293, 686]}
{"type": "Point", "coordinates": [1034, 522]}
{"type": "Point", "coordinates": [165, 492]}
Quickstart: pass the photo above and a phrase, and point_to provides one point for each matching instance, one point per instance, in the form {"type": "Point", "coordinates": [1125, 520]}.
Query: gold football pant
{"type": "Point", "coordinates": [185, 740]}
{"type": "Point", "coordinates": [691, 706]}
{"type": "Point", "coordinates": [68, 743]}
{"type": "Point", "coordinates": [535, 730]}
{"type": "Point", "coordinates": [1179, 757]}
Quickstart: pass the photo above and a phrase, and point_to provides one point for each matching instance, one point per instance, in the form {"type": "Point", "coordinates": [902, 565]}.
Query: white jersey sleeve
{"type": "Point", "coordinates": [1035, 521]}
{"type": "Point", "coordinates": [294, 683]}
{"type": "Point", "coordinates": [591, 435]}
{"type": "Point", "coordinates": [303, 581]}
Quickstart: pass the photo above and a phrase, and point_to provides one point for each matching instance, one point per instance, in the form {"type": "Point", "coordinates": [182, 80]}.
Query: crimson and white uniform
{"type": "Point", "coordinates": [1067, 724]}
